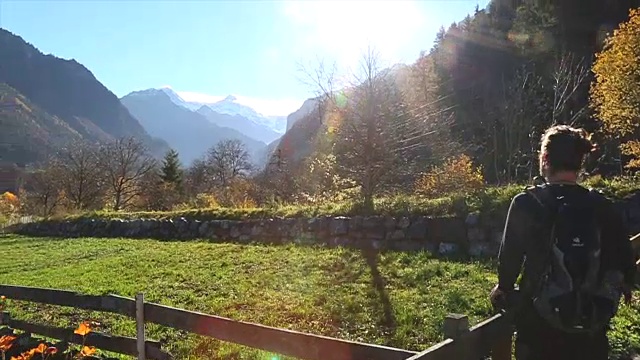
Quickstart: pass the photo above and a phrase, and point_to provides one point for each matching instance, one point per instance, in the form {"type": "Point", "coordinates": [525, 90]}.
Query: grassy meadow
{"type": "Point", "coordinates": [395, 299]}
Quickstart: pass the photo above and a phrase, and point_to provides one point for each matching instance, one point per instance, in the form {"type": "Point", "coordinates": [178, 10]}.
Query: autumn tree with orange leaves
{"type": "Point", "coordinates": [615, 93]}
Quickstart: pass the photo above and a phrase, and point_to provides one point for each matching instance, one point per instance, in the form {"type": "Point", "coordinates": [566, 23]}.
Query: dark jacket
{"type": "Point", "coordinates": [524, 243]}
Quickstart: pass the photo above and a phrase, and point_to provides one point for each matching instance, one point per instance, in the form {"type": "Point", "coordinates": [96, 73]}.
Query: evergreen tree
{"type": "Point", "coordinates": [171, 171]}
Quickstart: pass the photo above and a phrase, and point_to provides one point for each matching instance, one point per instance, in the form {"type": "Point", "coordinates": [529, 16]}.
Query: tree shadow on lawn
{"type": "Point", "coordinates": [371, 257]}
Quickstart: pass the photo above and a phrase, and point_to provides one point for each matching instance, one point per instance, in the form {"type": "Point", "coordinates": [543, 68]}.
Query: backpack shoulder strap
{"type": "Point", "coordinates": [548, 202]}
{"type": "Point", "coordinates": [597, 198]}
{"type": "Point", "coordinates": [543, 195]}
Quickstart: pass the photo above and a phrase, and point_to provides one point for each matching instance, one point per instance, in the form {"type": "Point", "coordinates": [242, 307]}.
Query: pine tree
{"type": "Point", "coordinates": [171, 171]}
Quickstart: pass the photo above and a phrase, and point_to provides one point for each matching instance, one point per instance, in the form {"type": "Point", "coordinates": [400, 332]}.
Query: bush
{"type": "Point", "coordinates": [237, 194]}
{"type": "Point", "coordinates": [158, 195]}
{"type": "Point", "coordinates": [456, 175]}
{"type": "Point", "coordinates": [617, 187]}
{"type": "Point", "coordinates": [9, 204]}
{"type": "Point", "coordinates": [200, 201]}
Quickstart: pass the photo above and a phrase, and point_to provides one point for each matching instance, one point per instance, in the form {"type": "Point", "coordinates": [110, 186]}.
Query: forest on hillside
{"type": "Point", "coordinates": [487, 89]}
{"type": "Point", "coordinates": [468, 113]}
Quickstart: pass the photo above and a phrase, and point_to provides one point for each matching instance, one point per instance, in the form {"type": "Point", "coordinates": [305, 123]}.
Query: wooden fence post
{"type": "Point", "coordinates": [5, 318]}
{"type": "Point", "coordinates": [501, 346]}
{"type": "Point", "coordinates": [456, 326]}
{"type": "Point", "coordinates": [140, 326]}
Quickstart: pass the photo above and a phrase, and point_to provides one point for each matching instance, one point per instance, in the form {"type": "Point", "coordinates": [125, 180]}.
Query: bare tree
{"type": "Point", "coordinates": [125, 163]}
{"type": "Point", "coordinates": [227, 161]}
{"type": "Point", "coordinates": [380, 137]}
{"type": "Point", "coordinates": [278, 181]}
{"type": "Point", "coordinates": [44, 187]}
{"type": "Point", "coordinates": [82, 179]}
{"type": "Point", "coordinates": [569, 77]}
{"type": "Point", "coordinates": [197, 179]}
{"type": "Point", "coordinates": [321, 77]}
{"type": "Point", "coordinates": [520, 107]}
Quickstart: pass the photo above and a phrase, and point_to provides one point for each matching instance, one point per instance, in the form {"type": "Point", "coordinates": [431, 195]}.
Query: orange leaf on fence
{"type": "Point", "coordinates": [27, 355]}
{"type": "Point", "coordinates": [41, 348]}
{"type": "Point", "coordinates": [88, 350]}
{"type": "Point", "coordinates": [83, 329]}
{"type": "Point", "coordinates": [6, 342]}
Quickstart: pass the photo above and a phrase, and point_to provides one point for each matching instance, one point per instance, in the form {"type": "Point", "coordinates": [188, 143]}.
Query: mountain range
{"type": "Point", "coordinates": [46, 101]}
{"type": "Point", "coordinates": [240, 117]}
{"type": "Point", "coordinates": [228, 113]}
{"type": "Point", "coordinates": [63, 92]}
{"type": "Point", "coordinates": [191, 133]}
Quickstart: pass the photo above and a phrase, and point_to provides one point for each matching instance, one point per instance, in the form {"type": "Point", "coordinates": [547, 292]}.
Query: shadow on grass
{"type": "Point", "coordinates": [388, 320]}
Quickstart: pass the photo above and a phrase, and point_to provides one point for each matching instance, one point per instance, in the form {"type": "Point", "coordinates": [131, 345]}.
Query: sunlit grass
{"type": "Point", "coordinates": [335, 292]}
{"type": "Point", "coordinates": [317, 290]}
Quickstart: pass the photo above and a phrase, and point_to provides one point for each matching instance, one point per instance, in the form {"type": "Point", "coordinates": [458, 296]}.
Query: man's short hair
{"type": "Point", "coordinates": [564, 148]}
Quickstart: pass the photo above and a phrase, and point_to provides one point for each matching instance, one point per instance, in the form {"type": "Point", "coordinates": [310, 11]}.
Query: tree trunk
{"type": "Point", "coordinates": [116, 206]}
{"type": "Point", "coordinates": [367, 202]}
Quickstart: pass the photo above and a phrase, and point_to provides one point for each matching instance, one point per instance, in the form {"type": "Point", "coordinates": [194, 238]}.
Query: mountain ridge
{"type": "Point", "coordinates": [227, 113]}
{"type": "Point", "coordinates": [67, 90]}
{"type": "Point", "coordinates": [189, 132]}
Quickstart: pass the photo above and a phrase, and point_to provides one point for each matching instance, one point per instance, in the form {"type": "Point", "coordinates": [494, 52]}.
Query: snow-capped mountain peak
{"type": "Point", "coordinates": [230, 105]}
{"type": "Point", "coordinates": [173, 96]}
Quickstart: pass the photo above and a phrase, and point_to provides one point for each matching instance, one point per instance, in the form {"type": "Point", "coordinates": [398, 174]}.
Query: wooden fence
{"type": "Point", "coordinates": [281, 341]}
{"type": "Point", "coordinates": [491, 337]}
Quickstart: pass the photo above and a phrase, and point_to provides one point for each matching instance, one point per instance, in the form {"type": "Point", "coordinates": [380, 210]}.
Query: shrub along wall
{"type": "Point", "coordinates": [473, 234]}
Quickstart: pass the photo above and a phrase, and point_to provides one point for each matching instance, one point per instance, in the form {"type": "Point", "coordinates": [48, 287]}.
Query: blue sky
{"type": "Point", "coordinates": [208, 49]}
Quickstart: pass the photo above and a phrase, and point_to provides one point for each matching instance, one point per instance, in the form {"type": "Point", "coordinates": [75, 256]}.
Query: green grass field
{"type": "Point", "coordinates": [396, 299]}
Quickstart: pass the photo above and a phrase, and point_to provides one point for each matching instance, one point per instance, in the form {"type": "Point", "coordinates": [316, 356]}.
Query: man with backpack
{"type": "Point", "coordinates": [575, 255]}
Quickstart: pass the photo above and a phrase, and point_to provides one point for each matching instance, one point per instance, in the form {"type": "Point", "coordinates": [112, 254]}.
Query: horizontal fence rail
{"type": "Point", "coordinates": [285, 342]}
{"type": "Point", "coordinates": [281, 341]}
{"type": "Point", "coordinates": [118, 344]}
{"type": "Point", "coordinates": [105, 303]}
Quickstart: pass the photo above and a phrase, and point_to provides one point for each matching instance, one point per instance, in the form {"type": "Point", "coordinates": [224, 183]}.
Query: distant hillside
{"type": "Point", "coordinates": [307, 107]}
{"type": "Point", "coordinates": [68, 91]}
{"type": "Point", "coordinates": [190, 133]}
{"type": "Point", "coordinates": [299, 141]}
{"type": "Point", "coordinates": [27, 133]}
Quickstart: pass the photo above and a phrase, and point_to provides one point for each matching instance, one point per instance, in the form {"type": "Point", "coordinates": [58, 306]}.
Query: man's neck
{"type": "Point", "coordinates": [563, 177]}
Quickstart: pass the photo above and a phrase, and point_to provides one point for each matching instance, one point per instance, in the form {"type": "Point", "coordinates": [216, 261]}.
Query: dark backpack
{"type": "Point", "coordinates": [573, 294]}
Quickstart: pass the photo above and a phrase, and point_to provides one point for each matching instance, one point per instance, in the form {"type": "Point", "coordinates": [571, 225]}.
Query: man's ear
{"type": "Point", "coordinates": [545, 163]}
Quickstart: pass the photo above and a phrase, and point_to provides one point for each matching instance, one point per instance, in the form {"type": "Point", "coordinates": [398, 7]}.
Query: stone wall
{"type": "Point", "coordinates": [475, 234]}
{"type": "Point", "coordinates": [444, 234]}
